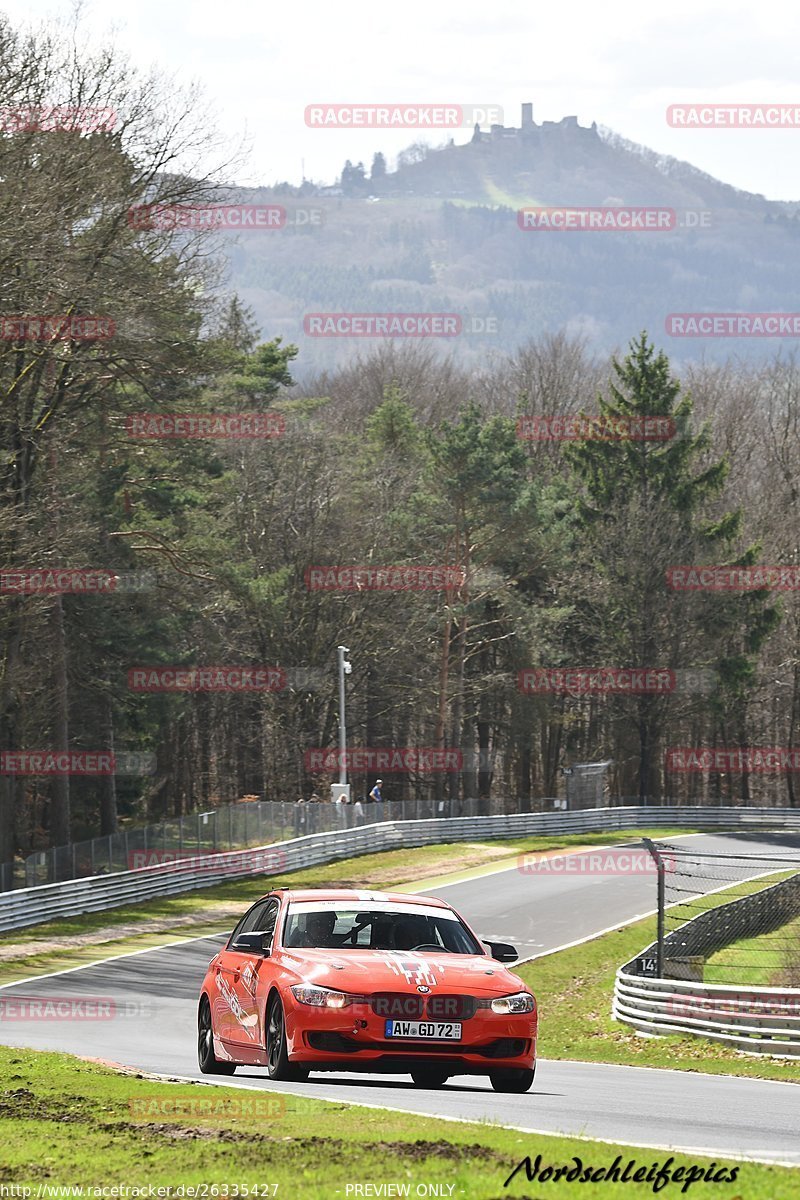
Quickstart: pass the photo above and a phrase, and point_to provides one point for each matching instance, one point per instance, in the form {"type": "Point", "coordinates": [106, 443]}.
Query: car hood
{"type": "Point", "coordinates": [366, 971]}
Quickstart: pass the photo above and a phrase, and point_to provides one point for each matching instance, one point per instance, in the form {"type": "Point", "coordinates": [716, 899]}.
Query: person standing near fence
{"type": "Point", "coordinates": [341, 809]}
{"type": "Point", "coordinates": [299, 816]}
{"type": "Point", "coordinates": [312, 813]}
{"type": "Point", "coordinates": [377, 798]}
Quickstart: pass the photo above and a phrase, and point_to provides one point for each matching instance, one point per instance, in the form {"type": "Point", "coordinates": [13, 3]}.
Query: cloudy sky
{"type": "Point", "coordinates": [621, 63]}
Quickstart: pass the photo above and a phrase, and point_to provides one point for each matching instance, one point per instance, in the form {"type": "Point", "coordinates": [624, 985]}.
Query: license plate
{"type": "Point", "coordinates": [435, 1030]}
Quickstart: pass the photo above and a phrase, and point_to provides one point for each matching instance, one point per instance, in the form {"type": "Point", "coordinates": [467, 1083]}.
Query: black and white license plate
{"type": "Point", "coordinates": [434, 1030]}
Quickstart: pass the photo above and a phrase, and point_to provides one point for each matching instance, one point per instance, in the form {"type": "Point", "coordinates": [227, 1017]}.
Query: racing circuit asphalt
{"type": "Point", "coordinates": [155, 994]}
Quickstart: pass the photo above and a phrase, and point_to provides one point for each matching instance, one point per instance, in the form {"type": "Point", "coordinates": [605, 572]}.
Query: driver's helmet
{"type": "Point", "coordinates": [319, 928]}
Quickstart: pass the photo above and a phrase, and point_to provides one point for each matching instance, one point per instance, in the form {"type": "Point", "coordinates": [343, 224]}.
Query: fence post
{"type": "Point", "coordinates": [656, 856]}
{"type": "Point", "coordinates": [110, 856]}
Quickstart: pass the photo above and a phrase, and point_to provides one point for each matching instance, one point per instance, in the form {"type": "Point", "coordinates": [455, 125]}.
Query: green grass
{"type": "Point", "coordinates": [574, 989]}
{"type": "Point", "coordinates": [69, 1122]}
{"type": "Point", "coordinates": [762, 961]}
{"type": "Point", "coordinates": [211, 910]}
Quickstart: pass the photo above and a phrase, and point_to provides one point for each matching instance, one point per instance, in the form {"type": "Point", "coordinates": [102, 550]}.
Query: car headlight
{"type": "Point", "coordinates": [520, 1002]}
{"type": "Point", "coordinates": [320, 997]}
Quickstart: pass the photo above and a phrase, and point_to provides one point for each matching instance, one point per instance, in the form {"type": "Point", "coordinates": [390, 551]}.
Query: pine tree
{"type": "Point", "coordinates": [645, 506]}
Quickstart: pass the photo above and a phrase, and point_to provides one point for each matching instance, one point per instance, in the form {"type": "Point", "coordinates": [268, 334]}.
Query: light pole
{"type": "Point", "coordinates": [345, 668]}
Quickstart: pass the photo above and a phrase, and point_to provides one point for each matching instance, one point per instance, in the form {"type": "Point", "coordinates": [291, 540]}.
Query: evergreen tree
{"type": "Point", "coordinates": [643, 507]}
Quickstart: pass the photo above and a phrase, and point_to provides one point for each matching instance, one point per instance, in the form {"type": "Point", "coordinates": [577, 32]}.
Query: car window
{"type": "Point", "coordinates": [268, 919]}
{"type": "Point", "coordinates": [256, 920]}
{"type": "Point", "coordinates": [328, 926]}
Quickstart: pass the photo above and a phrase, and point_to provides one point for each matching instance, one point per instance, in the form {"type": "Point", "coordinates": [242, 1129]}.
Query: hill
{"type": "Point", "coordinates": [441, 234]}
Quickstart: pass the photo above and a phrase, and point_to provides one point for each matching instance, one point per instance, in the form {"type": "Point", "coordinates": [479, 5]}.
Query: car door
{"type": "Point", "coordinates": [228, 973]}
{"type": "Point", "coordinates": [245, 971]}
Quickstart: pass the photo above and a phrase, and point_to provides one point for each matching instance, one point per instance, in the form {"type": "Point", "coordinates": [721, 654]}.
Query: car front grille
{"type": "Point", "coordinates": [437, 1006]}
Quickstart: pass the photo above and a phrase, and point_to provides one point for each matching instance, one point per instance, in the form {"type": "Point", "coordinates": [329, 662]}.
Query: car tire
{"type": "Point", "coordinates": [514, 1079]}
{"type": "Point", "coordinates": [207, 1060]}
{"type": "Point", "coordinates": [429, 1077]}
{"type": "Point", "coordinates": [278, 1065]}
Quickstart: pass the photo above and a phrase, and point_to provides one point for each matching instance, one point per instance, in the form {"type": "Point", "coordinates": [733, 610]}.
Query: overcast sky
{"type": "Point", "coordinates": [620, 63]}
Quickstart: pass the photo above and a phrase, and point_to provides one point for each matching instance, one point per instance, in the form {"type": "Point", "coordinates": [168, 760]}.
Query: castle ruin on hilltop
{"type": "Point", "coordinates": [529, 129]}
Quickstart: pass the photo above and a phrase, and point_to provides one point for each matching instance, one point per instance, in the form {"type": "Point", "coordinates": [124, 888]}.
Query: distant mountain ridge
{"type": "Point", "coordinates": [440, 234]}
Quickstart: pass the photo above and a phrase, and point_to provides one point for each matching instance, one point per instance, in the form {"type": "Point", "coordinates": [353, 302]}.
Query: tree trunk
{"type": "Point", "coordinates": [59, 805]}
{"type": "Point", "coordinates": [108, 783]}
{"type": "Point", "coordinates": [9, 708]}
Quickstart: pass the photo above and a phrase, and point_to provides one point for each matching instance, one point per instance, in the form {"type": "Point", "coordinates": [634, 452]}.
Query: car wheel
{"type": "Point", "coordinates": [207, 1059]}
{"type": "Point", "coordinates": [278, 1065]}
{"type": "Point", "coordinates": [515, 1079]}
{"type": "Point", "coordinates": [429, 1077]}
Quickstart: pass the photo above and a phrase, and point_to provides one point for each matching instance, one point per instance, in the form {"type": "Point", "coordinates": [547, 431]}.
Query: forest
{"type": "Point", "coordinates": [548, 560]}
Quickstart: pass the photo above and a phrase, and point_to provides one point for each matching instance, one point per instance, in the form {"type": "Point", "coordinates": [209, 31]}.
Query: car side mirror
{"type": "Point", "coordinates": [252, 943]}
{"type": "Point", "coordinates": [502, 951]}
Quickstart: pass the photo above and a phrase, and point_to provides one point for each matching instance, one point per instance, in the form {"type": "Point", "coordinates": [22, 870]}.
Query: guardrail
{"type": "Point", "coordinates": [31, 906]}
{"type": "Point", "coordinates": [761, 1020]}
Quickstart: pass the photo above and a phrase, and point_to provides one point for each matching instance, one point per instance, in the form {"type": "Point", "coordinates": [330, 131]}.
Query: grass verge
{"type": "Point", "coordinates": [768, 960]}
{"type": "Point", "coordinates": [71, 942]}
{"type": "Point", "coordinates": [67, 1122]}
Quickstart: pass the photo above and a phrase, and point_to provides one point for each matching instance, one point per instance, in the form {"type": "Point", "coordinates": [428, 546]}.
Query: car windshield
{"type": "Point", "coordinates": [328, 925]}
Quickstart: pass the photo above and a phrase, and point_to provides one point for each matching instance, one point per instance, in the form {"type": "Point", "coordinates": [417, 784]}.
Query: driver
{"type": "Point", "coordinates": [319, 929]}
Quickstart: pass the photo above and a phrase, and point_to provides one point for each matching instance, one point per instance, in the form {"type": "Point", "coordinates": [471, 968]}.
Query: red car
{"type": "Point", "coordinates": [343, 980]}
